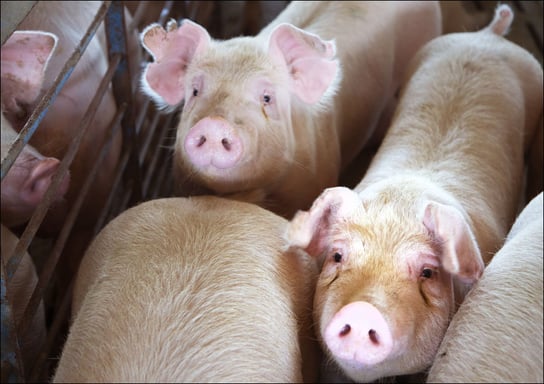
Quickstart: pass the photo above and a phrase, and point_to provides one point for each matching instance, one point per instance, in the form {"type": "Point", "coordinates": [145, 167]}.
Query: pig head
{"type": "Point", "coordinates": [392, 263]}
{"type": "Point", "coordinates": [237, 134]}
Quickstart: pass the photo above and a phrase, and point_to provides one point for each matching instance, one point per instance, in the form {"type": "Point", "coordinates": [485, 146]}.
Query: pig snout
{"type": "Point", "coordinates": [213, 143]}
{"type": "Point", "coordinates": [359, 333]}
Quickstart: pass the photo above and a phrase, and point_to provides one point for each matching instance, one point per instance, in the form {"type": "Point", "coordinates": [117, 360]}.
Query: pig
{"type": "Point", "coordinates": [21, 90]}
{"type": "Point", "coordinates": [273, 118]}
{"type": "Point", "coordinates": [22, 190]}
{"type": "Point", "coordinates": [399, 252]}
{"type": "Point", "coordinates": [26, 182]}
{"type": "Point", "coordinates": [18, 292]}
{"type": "Point", "coordinates": [196, 289]}
{"type": "Point", "coordinates": [496, 335]}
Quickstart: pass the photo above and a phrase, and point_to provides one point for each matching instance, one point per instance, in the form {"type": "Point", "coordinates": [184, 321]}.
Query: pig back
{"type": "Point", "coordinates": [465, 110]}
{"type": "Point", "coordinates": [188, 290]}
{"type": "Point", "coordinates": [372, 60]}
{"type": "Point", "coordinates": [494, 335]}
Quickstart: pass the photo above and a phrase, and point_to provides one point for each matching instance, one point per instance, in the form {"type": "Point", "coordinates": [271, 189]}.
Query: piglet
{"type": "Point", "coordinates": [399, 252]}
{"type": "Point", "coordinates": [274, 118]}
{"type": "Point", "coordinates": [192, 290]}
{"type": "Point", "coordinates": [496, 335]}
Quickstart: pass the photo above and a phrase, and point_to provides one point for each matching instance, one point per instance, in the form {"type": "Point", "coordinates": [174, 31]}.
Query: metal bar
{"type": "Point", "coordinates": [52, 333]}
{"type": "Point", "coordinates": [153, 163]}
{"type": "Point", "coordinates": [12, 367]}
{"type": "Point", "coordinates": [149, 135]}
{"type": "Point", "coordinates": [162, 178]}
{"type": "Point", "coordinates": [122, 89]}
{"type": "Point", "coordinates": [41, 210]}
{"type": "Point", "coordinates": [116, 188]}
{"type": "Point", "coordinates": [49, 267]}
{"type": "Point", "coordinates": [12, 13]}
{"type": "Point", "coordinates": [51, 94]}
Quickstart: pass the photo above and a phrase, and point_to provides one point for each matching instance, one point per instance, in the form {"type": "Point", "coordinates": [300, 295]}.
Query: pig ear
{"type": "Point", "coordinates": [310, 230]}
{"type": "Point", "coordinates": [460, 253]}
{"type": "Point", "coordinates": [308, 58]}
{"type": "Point", "coordinates": [172, 51]}
{"type": "Point", "coordinates": [25, 56]}
{"type": "Point", "coordinates": [39, 180]}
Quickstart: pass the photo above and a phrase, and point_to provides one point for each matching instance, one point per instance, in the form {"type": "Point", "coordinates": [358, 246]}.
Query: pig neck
{"type": "Point", "coordinates": [316, 160]}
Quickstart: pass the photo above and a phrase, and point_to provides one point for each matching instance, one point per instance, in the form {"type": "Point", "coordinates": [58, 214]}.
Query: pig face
{"type": "Point", "coordinates": [236, 132]}
{"type": "Point", "coordinates": [385, 293]}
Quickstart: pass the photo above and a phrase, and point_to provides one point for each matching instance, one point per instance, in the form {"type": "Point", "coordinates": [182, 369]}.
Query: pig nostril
{"type": "Point", "coordinates": [345, 330]}
{"type": "Point", "coordinates": [201, 141]}
{"type": "Point", "coordinates": [373, 336]}
{"type": "Point", "coordinates": [226, 144]}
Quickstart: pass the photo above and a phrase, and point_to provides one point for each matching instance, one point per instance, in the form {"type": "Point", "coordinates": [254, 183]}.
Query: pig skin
{"type": "Point", "coordinates": [496, 335]}
{"type": "Point", "coordinates": [192, 290]}
{"type": "Point", "coordinates": [296, 147]}
{"type": "Point", "coordinates": [436, 203]}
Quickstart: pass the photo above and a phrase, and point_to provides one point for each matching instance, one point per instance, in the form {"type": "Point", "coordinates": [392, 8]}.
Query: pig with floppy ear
{"type": "Point", "coordinates": [392, 273]}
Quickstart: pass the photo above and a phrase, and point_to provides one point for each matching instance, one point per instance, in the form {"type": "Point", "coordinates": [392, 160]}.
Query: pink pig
{"type": "Point", "coordinates": [26, 76]}
{"type": "Point", "coordinates": [273, 118]}
{"type": "Point", "coordinates": [28, 179]}
{"type": "Point", "coordinates": [399, 252]}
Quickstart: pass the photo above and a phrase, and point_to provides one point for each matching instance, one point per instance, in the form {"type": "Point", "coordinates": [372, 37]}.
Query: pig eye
{"type": "Point", "coordinates": [337, 257]}
{"type": "Point", "coordinates": [195, 92]}
{"type": "Point", "coordinates": [267, 99]}
{"type": "Point", "coordinates": [427, 273]}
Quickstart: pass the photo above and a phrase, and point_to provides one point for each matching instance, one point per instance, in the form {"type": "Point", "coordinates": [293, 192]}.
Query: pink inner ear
{"type": "Point", "coordinates": [309, 61]}
{"type": "Point", "coordinates": [173, 52]}
{"type": "Point", "coordinates": [460, 253]}
{"type": "Point", "coordinates": [24, 60]}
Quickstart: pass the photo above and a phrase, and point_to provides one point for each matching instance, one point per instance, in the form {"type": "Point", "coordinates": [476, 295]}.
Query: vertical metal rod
{"type": "Point", "coordinates": [122, 90]}
{"type": "Point", "coordinates": [12, 367]}
{"type": "Point", "coordinates": [48, 269]}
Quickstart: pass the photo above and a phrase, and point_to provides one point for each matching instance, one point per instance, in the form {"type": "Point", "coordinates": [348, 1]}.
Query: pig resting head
{"type": "Point", "coordinates": [236, 130]}
{"type": "Point", "coordinates": [385, 294]}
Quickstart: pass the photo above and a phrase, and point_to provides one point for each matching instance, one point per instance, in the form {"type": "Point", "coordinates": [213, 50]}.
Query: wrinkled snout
{"type": "Point", "coordinates": [212, 142]}
{"type": "Point", "coordinates": [359, 333]}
